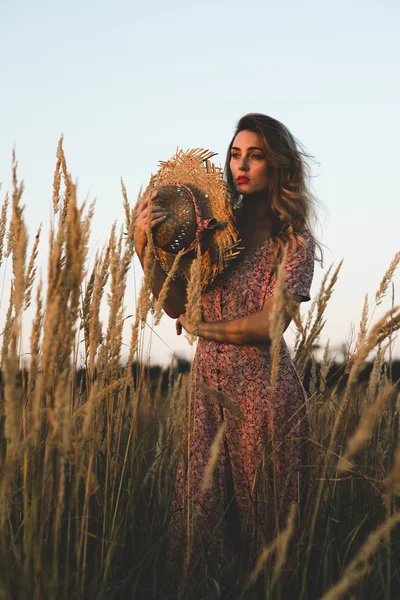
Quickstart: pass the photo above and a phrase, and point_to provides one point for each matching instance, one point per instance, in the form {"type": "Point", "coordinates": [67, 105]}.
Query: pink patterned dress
{"type": "Point", "coordinates": [264, 460]}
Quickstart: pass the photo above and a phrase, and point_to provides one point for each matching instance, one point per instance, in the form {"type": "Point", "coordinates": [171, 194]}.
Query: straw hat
{"type": "Point", "coordinates": [193, 192]}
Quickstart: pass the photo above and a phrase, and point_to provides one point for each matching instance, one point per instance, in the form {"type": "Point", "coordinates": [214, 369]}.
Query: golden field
{"type": "Point", "coordinates": [89, 441]}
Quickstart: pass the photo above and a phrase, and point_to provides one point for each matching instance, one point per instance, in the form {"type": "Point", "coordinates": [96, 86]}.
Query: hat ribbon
{"type": "Point", "coordinates": [202, 224]}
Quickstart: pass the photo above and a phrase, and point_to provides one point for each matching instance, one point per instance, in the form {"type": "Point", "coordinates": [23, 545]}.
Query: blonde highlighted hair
{"type": "Point", "coordinates": [292, 203]}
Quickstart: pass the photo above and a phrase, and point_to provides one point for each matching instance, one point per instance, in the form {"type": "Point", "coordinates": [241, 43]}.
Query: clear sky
{"type": "Point", "coordinates": [128, 82]}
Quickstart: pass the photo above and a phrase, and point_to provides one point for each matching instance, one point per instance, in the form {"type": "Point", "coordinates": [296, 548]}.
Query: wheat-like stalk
{"type": "Point", "coordinates": [31, 270]}
{"type": "Point", "coordinates": [315, 322]}
{"type": "Point", "coordinates": [127, 209]}
{"type": "Point", "coordinates": [223, 400]}
{"type": "Point", "coordinates": [3, 226]}
{"type": "Point", "coordinates": [164, 290]}
{"type": "Point", "coordinates": [145, 295]}
{"type": "Point", "coordinates": [57, 178]}
{"type": "Point", "coordinates": [362, 334]}
{"type": "Point", "coordinates": [364, 429]}
{"type": "Point", "coordinates": [212, 461]}
{"type": "Point", "coordinates": [282, 543]}
{"type": "Point", "coordinates": [88, 458]}
{"type": "Point", "coordinates": [67, 182]}
{"type": "Point", "coordinates": [101, 277]}
{"type": "Point", "coordinates": [35, 399]}
{"type": "Point", "coordinates": [380, 331]}
{"type": "Point", "coordinates": [386, 279]}
{"type": "Point", "coordinates": [194, 289]}
{"type": "Point", "coordinates": [276, 318]}
{"type": "Point", "coordinates": [278, 545]}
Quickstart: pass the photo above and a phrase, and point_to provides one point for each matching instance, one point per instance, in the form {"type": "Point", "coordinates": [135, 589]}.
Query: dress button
{"type": "Point", "coordinates": [218, 371]}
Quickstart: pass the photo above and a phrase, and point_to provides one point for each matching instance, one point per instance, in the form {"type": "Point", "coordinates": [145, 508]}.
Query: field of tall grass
{"type": "Point", "coordinates": [89, 441]}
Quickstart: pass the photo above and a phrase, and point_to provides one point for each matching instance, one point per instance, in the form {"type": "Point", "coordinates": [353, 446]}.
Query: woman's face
{"type": "Point", "coordinates": [248, 163]}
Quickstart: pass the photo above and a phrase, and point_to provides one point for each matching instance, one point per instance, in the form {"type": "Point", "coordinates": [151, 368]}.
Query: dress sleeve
{"type": "Point", "coordinates": [300, 269]}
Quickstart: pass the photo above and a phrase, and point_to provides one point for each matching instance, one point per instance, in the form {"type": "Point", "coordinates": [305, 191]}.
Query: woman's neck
{"type": "Point", "coordinates": [255, 212]}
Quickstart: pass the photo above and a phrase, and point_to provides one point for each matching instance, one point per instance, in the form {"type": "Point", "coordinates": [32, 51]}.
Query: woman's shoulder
{"type": "Point", "coordinates": [307, 235]}
{"type": "Point", "coordinates": [305, 242]}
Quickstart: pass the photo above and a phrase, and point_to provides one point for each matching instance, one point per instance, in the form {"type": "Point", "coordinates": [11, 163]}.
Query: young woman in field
{"type": "Point", "coordinates": [264, 461]}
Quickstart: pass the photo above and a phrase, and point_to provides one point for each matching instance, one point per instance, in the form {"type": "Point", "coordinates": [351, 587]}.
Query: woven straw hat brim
{"type": "Point", "coordinates": [194, 167]}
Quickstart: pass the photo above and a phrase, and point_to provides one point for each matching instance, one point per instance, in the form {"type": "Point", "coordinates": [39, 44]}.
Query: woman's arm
{"type": "Point", "coordinates": [176, 299]}
{"type": "Point", "coordinates": [250, 330]}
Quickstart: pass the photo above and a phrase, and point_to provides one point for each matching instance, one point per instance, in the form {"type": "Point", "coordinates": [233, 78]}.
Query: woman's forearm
{"type": "Point", "coordinates": [250, 330]}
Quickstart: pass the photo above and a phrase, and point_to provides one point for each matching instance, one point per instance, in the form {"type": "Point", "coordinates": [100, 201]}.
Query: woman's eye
{"type": "Point", "coordinates": [234, 155]}
{"type": "Point", "coordinates": [257, 156]}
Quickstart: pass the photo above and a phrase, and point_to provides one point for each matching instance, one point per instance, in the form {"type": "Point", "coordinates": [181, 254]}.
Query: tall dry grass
{"type": "Point", "coordinates": [88, 457]}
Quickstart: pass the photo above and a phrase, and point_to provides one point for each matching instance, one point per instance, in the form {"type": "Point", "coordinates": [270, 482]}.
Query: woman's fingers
{"type": "Point", "coordinates": [145, 201]}
{"type": "Point", "coordinates": [158, 214]}
{"type": "Point", "coordinates": [157, 211]}
{"type": "Point", "coordinates": [154, 208]}
{"type": "Point", "coordinates": [156, 217]}
{"type": "Point", "coordinates": [157, 220]}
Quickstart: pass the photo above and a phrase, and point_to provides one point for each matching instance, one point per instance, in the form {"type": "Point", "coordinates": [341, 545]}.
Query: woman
{"type": "Point", "coordinates": [264, 462]}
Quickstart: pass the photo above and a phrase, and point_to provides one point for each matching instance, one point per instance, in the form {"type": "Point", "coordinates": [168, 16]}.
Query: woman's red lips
{"type": "Point", "coordinates": [243, 179]}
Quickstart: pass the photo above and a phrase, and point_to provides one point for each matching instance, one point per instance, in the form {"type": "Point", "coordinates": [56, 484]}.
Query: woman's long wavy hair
{"type": "Point", "coordinates": [292, 203]}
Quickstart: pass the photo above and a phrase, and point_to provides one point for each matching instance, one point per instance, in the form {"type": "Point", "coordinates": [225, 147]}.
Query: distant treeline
{"type": "Point", "coordinates": [153, 373]}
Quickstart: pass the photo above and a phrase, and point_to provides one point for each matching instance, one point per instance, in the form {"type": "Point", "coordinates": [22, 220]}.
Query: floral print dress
{"type": "Point", "coordinates": [264, 460]}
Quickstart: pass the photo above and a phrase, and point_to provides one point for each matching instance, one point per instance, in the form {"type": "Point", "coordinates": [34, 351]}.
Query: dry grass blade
{"type": "Point", "coordinates": [315, 323]}
{"type": "Point", "coordinates": [31, 271]}
{"type": "Point", "coordinates": [280, 545]}
{"type": "Point", "coordinates": [224, 401]}
{"type": "Point", "coordinates": [86, 304]}
{"type": "Point", "coordinates": [134, 342]}
{"type": "Point", "coordinates": [265, 554]}
{"type": "Point", "coordinates": [376, 376]}
{"type": "Point", "coordinates": [386, 279]}
{"type": "Point", "coordinates": [67, 180]}
{"type": "Point", "coordinates": [358, 566]}
{"type": "Point", "coordinates": [19, 242]}
{"type": "Point", "coordinates": [193, 306]}
{"type": "Point", "coordinates": [362, 334]}
{"type": "Point", "coordinates": [276, 320]}
{"type": "Point", "coordinates": [57, 178]}
{"type": "Point", "coordinates": [95, 330]}
{"type": "Point", "coordinates": [128, 215]}
{"type": "Point", "coordinates": [86, 225]}
{"type": "Point", "coordinates": [389, 322]}
{"type": "Point", "coordinates": [3, 226]}
{"type": "Point", "coordinates": [120, 261]}
{"type": "Point", "coordinates": [392, 481]}
{"type": "Point", "coordinates": [145, 295]}
{"type": "Point", "coordinates": [35, 340]}
{"type": "Point", "coordinates": [164, 290]}
{"type": "Point", "coordinates": [212, 461]}
{"type": "Point", "coordinates": [325, 367]}
{"type": "Point", "coordinates": [8, 325]}
{"type": "Point", "coordinates": [102, 395]}
{"type": "Point", "coordinates": [365, 427]}
{"type": "Point", "coordinates": [88, 458]}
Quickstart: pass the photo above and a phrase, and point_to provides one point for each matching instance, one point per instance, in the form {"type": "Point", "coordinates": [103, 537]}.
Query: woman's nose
{"type": "Point", "coordinates": [243, 164]}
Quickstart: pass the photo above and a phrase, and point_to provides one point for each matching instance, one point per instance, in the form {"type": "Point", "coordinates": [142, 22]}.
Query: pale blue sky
{"type": "Point", "coordinates": [127, 83]}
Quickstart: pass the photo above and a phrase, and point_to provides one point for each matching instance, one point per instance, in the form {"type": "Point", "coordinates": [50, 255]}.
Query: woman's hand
{"type": "Point", "coordinates": [158, 215]}
{"type": "Point", "coordinates": [180, 323]}
{"type": "Point", "coordinates": [176, 299]}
